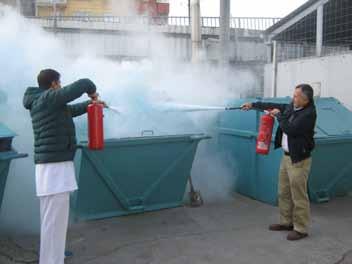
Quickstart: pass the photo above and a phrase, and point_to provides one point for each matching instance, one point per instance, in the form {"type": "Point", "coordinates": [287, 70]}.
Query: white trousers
{"type": "Point", "coordinates": [54, 212]}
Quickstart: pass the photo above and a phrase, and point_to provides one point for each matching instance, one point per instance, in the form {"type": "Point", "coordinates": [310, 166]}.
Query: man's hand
{"type": "Point", "coordinates": [100, 102]}
{"type": "Point", "coordinates": [247, 106]}
{"type": "Point", "coordinates": [274, 112]}
{"type": "Point", "coordinates": [94, 96]}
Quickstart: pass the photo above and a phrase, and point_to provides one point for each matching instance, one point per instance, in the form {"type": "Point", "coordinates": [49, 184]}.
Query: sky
{"type": "Point", "coordinates": [241, 8]}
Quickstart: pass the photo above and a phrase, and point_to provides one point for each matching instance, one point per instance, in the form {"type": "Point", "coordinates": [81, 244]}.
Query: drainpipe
{"type": "Point", "coordinates": [224, 31]}
{"type": "Point", "coordinates": [189, 9]}
{"type": "Point", "coordinates": [55, 16]}
{"type": "Point", "coordinates": [196, 31]}
{"type": "Point", "coordinates": [320, 30]}
{"type": "Point", "coordinates": [19, 6]}
{"type": "Point", "coordinates": [274, 73]}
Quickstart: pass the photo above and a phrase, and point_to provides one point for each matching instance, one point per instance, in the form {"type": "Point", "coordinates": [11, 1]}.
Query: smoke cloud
{"type": "Point", "coordinates": [136, 88]}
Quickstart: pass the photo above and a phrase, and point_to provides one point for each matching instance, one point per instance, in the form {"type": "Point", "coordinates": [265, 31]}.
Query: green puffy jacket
{"type": "Point", "coordinates": [52, 119]}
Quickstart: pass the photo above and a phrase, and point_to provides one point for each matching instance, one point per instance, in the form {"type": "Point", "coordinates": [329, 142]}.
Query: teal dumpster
{"type": "Point", "coordinates": [256, 176]}
{"type": "Point", "coordinates": [133, 175]}
{"type": "Point", "coordinates": [7, 153]}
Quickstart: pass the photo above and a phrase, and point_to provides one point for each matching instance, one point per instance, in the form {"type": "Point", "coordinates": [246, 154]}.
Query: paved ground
{"type": "Point", "coordinates": [232, 232]}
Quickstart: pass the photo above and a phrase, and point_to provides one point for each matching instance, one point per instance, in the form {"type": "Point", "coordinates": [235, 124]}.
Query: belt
{"type": "Point", "coordinates": [287, 153]}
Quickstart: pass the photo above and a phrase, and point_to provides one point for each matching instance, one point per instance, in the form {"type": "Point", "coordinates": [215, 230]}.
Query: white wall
{"type": "Point", "coordinates": [334, 73]}
{"type": "Point", "coordinates": [148, 44]}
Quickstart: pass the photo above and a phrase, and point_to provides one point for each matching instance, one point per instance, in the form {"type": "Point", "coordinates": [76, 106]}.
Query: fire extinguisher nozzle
{"type": "Point", "coordinates": [233, 108]}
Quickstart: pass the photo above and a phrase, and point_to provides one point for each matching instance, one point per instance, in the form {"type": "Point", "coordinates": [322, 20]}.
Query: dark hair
{"type": "Point", "coordinates": [46, 77]}
{"type": "Point", "coordinates": [307, 90]}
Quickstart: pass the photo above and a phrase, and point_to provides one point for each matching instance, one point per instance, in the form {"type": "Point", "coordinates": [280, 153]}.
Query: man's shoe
{"type": "Point", "coordinates": [278, 227]}
{"type": "Point", "coordinates": [294, 235]}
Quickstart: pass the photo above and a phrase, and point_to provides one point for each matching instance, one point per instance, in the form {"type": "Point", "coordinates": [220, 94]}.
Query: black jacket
{"type": "Point", "coordinates": [298, 125]}
{"type": "Point", "coordinates": [52, 119]}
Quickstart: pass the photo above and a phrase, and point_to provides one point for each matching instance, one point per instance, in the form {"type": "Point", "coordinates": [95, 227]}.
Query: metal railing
{"type": "Point", "coordinates": [250, 23]}
{"type": "Point", "coordinates": [291, 50]}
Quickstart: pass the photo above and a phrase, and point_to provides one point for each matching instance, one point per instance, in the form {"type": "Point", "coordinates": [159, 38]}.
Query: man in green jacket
{"type": "Point", "coordinates": [54, 150]}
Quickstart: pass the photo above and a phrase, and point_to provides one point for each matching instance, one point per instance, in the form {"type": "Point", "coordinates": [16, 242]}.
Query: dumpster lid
{"type": "Point", "coordinates": [5, 132]}
{"type": "Point", "coordinates": [152, 139]}
{"type": "Point", "coordinates": [10, 155]}
{"type": "Point", "coordinates": [334, 119]}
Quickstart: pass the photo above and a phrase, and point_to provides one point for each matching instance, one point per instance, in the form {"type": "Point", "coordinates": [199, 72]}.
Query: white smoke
{"type": "Point", "coordinates": [136, 88]}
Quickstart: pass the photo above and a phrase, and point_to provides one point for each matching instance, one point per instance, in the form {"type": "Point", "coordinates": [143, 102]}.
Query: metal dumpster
{"type": "Point", "coordinates": [7, 153]}
{"type": "Point", "coordinates": [257, 175]}
{"type": "Point", "coordinates": [133, 175]}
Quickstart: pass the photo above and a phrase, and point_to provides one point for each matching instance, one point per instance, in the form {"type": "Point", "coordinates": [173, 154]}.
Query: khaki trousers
{"type": "Point", "coordinates": [293, 194]}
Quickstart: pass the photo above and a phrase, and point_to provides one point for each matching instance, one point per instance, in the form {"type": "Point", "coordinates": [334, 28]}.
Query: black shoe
{"type": "Point", "coordinates": [294, 235]}
{"type": "Point", "coordinates": [278, 227]}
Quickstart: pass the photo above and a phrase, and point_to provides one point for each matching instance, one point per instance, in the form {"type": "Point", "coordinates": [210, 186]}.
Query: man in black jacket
{"type": "Point", "coordinates": [296, 136]}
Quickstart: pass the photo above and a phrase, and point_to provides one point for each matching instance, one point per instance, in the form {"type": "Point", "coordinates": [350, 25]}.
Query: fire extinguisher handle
{"type": "Point", "coordinates": [266, 111]}
{"type": "Point", "coordinates": [150, 132]}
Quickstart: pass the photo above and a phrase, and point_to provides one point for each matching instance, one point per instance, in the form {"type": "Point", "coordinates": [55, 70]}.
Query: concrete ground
{"type": "Point", "coordinates": [232, 232]}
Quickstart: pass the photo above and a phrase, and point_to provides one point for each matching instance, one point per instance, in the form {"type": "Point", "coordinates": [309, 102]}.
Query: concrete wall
{"type": "Point", "coordinates": [240, 50]}
{"type": "Point", "coordinates": [331, 74]}
{"type": "Point", "coordinates": [131, 45]}
{"type": "Point", "coordinates": [119, 39]}
{"type": "Point", "coordinates": [145, 44]}
{"type": "Point", "coordinates": [9, 2]}
{"type": "Point", "coordinates": [26, 7]}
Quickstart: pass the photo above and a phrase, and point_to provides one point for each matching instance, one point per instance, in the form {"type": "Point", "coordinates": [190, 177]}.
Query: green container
{"type": "Point", "coordinates": [7, 153]}
{"type": "Point", "coordinates": [257, 175]}
{"type": "Point", "coordinates": [133, 175]}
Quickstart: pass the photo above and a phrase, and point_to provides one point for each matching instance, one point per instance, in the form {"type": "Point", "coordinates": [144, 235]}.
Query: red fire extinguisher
{"type": "Point", "coordinates": [265, 134]}
{"type": "Point", "coordinates": [95, 126]}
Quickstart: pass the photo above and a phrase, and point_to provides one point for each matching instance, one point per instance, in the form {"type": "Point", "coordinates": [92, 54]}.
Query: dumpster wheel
{"type": "Point", "coordinates": [195, 197]}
